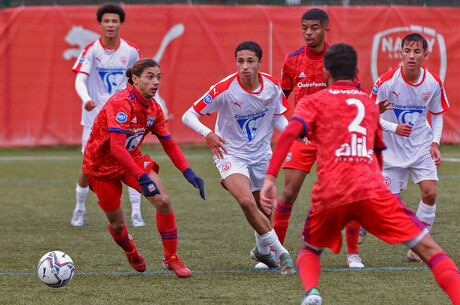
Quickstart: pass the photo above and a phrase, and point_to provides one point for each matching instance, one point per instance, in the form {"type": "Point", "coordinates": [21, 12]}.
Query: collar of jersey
{"type": "Point", "coordinates": [107, 49]}
{"type": "Point", "coordinates": [314, 55]}
{"type": "Point", "coordinates": [139, 98]}
{"type": "Point", "coordinates": [343, 84]}
{"type": "Point", "coordinates": [252, 92]}
{"type": "Point", "coordinates": [423, 72]}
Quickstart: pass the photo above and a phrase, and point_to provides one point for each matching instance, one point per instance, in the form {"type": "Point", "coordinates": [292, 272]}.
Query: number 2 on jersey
{"type": "Point", "coordinates": [355, 124]}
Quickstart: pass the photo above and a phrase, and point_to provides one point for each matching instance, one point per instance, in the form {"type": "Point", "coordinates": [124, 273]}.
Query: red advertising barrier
{"type": "Point", "coordinates": [195, 48]}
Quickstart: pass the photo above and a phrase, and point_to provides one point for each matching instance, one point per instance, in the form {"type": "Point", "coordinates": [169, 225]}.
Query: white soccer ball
{"type": "Point", "coordinates": [55, 269]}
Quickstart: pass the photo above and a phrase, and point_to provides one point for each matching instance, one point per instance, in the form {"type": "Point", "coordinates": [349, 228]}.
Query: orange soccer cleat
{"type": "Point", "coordinates": [173, 263]}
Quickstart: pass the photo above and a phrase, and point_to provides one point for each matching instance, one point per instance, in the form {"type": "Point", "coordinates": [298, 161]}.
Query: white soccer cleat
{"type": "Point", "coordinates": [137, 220]}
{"type": "Point", "coordinates": [413, 257]}
{"type": "Point", "coordinates": [354, 261]}
{"type": "Point", "coordinates": [261, 266]}
{"type": "Point", "coordinates": [78, 218]}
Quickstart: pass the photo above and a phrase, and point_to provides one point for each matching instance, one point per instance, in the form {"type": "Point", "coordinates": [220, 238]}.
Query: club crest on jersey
{"type": "Point", "coordinates": [425, 96]}
{"type": "Point", "coordinates": [407, 116]}
{"type": "Point", "coordinates": [121, 117]}
{"type": "Point", "coordinates": [386, 49]}
{"type": "Point", "coordinates": [207, 99]}
{"type": "Point", "coordinates": [111, 79]}
{"type": "Point", "coordinates": [124, 60]}
{"type": "Point", "coordinates": [289, 156]}
{"type": "Point", "coordinates": [249, 124]}
{"type": "Point", "coordinates": [150, 120]}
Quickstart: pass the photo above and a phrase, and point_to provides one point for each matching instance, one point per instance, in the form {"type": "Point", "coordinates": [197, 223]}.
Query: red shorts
{"type": "Point", "coordinates": [387, 218]}
{"type": "Point", "coordinates": [301, 156]}
{"type": "Point", "coordinates": [108, 192]}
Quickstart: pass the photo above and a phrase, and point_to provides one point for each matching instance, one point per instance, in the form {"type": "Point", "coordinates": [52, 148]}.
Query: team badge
{"type": "Point", "coordinates": [226, 166]}
{"type": "Point", "coordinates": [387, 46]}
{"type": "Point", "coordinates": [387, 181]}
{"type": "Point", "coordinates": [121, 117]}
{"type": "Point", "coordinates": [207, 99]}
{"type": "Point", "coordinates": [375, 90]}
{"type": "Point", "coordinates": [289, 156]}
{"type": "Point", "coordinates": [124, 59]}
{"type": "Point", "coordinates": [150, 120]}
{"type": "Point", "coordinates": [425, 96]}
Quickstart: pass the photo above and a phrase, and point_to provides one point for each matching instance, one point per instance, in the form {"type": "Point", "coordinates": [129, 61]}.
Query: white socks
{"type": "Point", "coordinates": [261, 246]}
{"type": "Point", "coordinates": [271, 240]}
{"type": "Point", "coordinates": [82, 193]}
{"type": "Point", "coordinates": [135, 198]}
{"type": "Point", "coordinates": [426, 213]}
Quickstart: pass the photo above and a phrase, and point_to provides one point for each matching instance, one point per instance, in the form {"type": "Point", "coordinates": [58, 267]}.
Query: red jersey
{"type": "Point", "coordinates": [303, 73]}
{"type": "Point", "coordinates": [125, 113]}
{"type": "Point", "coordinates": [344, 123]}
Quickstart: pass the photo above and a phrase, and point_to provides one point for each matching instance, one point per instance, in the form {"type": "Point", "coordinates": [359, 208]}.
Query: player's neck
{"type": "Point", "coordinates": [110, 42]}
{"type": "Point", "coordinates": [251, 84]}
{"type": "Point", "coordinates": [411, 75]}
{"type": "Point", "coordinates": [318, 50]}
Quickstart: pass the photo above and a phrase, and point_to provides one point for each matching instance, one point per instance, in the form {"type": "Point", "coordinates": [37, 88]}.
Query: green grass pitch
{"type": "Point", "coordinates": [37, 189]}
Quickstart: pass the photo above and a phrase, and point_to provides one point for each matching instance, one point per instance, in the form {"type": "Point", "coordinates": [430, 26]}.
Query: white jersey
{"type": "Point", "coordinates": [106, 72]}
{"type": "Point", "coordinates": [412, 103]}
{"type": "Point", "coordinates": [244, 119]}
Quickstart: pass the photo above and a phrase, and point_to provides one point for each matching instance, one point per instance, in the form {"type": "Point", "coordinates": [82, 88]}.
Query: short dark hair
{"type": "Point", "coordinates": [250, 46]}
{"type": "Point", "coordinates": [316, 14]}
{"type": "Point", "coordinates": [111, 8]}
{"type": "Point", "coordinates": [139, 67]}
{"type": "Point", "coordinates": [341, 60]}
{"type": "Point", "coordinates": [415, 37]}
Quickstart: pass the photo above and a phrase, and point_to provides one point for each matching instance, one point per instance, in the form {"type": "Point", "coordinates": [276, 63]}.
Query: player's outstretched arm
{"type": "Point", "coordinates": [384, 105]}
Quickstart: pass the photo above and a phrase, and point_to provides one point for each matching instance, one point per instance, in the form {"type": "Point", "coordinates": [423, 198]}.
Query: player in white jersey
{"type": "Point", "coordinates": [413, 146]}
{"type": "Point", "coordinates": [100, 72]}
{"type": "Point", "coordinates": [249, 105]}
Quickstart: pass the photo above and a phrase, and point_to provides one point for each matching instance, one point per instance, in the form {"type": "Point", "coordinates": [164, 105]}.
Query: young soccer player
{"type": "Point", "coordinates": [303, 74]}
{"type": "Point", "coordinates": [249, 105]}
{"type": "Point", "coordinates": [113, 156]}
{"type": "Point", "coordinates": [344, 123]}
{"type": "Point", "coordinates": [100, 72]}
{"type": "Point", "coordinates": [413, 146]}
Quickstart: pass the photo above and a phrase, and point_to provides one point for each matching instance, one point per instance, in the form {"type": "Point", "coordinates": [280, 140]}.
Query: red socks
{"type": "Point", "coordinates": [446, 274]}
{"type": "Point", "coordinates": [352, 236]}
{"type": "Point", "coordinates": [281, 219]}
{"type": "Point", "coordinates": [122, 239]}
{"type": "Point", "coordinates": [309, 266]}
{"type": "Point", "coordinates": [166, 224]}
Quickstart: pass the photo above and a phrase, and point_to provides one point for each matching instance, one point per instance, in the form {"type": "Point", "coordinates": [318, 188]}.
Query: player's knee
{"type": "Point", "coordinates": [289, 195]}
{"type": "Point", "coordinates": [247, 204]}
{"type": "Point", "coordinates": [429, 196]}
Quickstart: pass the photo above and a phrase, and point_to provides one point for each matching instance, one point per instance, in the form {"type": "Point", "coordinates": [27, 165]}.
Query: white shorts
{"type": "Point", "coordinates": [255, 172]}
{"type": "Point", "coordinates": [396, 178]}
{"type": "Point", "coordinates": [85, 137]}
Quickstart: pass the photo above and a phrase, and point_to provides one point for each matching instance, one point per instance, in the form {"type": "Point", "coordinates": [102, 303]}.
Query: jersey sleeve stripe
{"type": "Point", "coordinates": [162, 137]}
{"type": "Point", "coordinates": [305, 127]}
{"type": "Point", "coordinates": [78, 63]}
{"type": "Point", "coordinates": [114, 129]}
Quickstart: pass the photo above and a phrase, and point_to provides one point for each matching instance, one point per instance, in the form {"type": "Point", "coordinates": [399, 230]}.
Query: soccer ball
{"type": "Point", "coordinates": [55, 269]}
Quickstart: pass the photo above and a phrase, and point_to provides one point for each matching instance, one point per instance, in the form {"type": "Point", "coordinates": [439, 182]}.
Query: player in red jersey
{"type": "Point", "coordinates": [344, 123]}
{"type": "Point", "coordinates": [100, 70]}
{"type": "Point", "coordinates": [303, 74]}
{"type": "Point", "coordinates": [113, 156]}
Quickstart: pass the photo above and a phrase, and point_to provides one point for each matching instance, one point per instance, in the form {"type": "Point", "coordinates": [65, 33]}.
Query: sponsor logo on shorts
{"type": "Point", "coordinates": [289, 156]}
{"type": "Point", "coordinates": [387, 181]}
{"type": "Point", "coordinates": [121, 117]}
{"type": "Point", "coordinates": [152, 187]}
{"type": "Point", "coordinates": [146, 164]}
{"type": "Point", "coordinates": [226, 166]}
{"type": "Point", "coordinates": [207, 99]}
{"type": "Point", "coordinates": [386, 49]}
